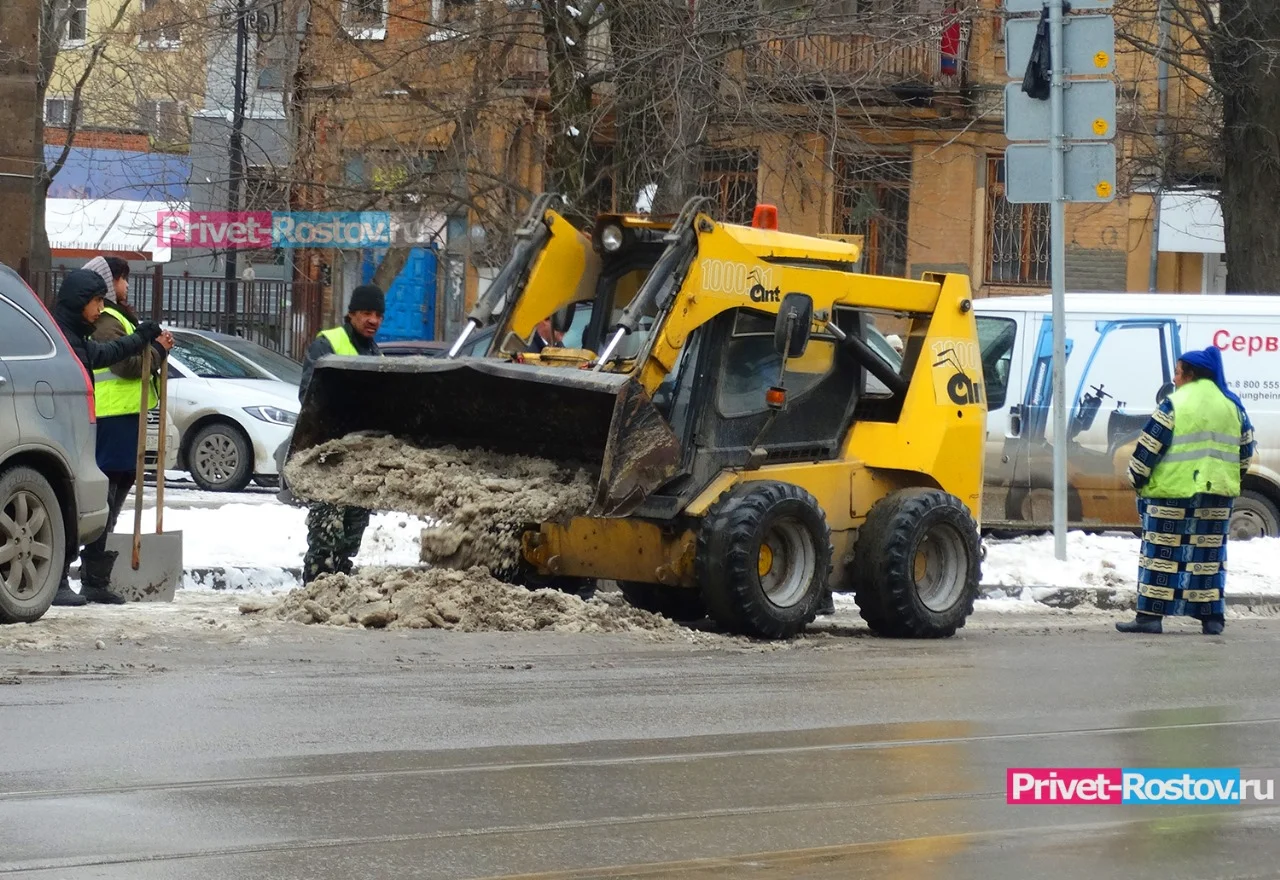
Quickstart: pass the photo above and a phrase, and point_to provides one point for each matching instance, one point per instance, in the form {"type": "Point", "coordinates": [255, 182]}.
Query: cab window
{"type": "Point", "coordinates": [751, 366]}
{"type": "Point", "coordinates": [995, 341]}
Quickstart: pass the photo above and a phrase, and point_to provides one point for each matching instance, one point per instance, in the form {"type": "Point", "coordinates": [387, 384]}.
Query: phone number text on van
{"type": "Point", "coordinates": [1251, 345]}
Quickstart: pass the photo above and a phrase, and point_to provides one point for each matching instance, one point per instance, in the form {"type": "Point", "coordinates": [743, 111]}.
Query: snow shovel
{"type": "Point", "coordinates": [154, 567]}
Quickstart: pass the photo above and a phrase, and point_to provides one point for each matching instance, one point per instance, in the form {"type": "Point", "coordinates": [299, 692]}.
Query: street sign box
{"type": "Point", "coordinates": [1089, 44]}
{"type": "Point", "coordinates": [1017, 6]}
{"type": "Point", "coordinates": [1088, 111]}
{"type": "Point", "coordinates": [1089, 169]}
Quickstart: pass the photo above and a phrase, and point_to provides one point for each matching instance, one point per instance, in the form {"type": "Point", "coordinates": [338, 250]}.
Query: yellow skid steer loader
{"type": "Point", "coordinates": [756, 442]}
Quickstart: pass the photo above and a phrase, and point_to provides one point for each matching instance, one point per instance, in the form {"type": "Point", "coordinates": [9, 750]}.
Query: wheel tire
{"type": "Point", "coordinates": [1018, 499]}
{"type": "Point", "coordinates": [757, 524]}
{"type": "Point", "coordinates": [31, 558]}
{"type": "Point", "coordinates": [892, 558]}
{"type": "Point", "coordinates": [677, 603]}
{"type": "Point", "coordinates": [220, 458]}
{"type": "Point", "coordinates": [1254, 516]}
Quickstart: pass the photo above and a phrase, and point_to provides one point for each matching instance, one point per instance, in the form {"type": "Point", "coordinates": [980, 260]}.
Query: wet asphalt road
{"type": "Point", "coordinates": [316, 754]}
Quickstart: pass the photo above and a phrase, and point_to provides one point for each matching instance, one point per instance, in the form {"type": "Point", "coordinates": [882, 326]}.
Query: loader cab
{"type": "Point", "coordinates": [629, 246]}
{"type": "Point", "coordinates": [720, 398]}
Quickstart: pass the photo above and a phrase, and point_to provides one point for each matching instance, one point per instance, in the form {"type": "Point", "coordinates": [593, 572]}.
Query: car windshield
{"type": "Point", "coordinates": [209, 360]}
{"type": "Point", "coordinates": [283, 368]}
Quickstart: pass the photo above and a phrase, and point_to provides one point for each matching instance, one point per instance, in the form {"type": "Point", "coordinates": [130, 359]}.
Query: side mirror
{"type": "Point", "coordinates": [1165, 390]}
{"type": "Point", "coordinates": [561, 320]}
{"type": "Point", "coordinates": [793, 325]}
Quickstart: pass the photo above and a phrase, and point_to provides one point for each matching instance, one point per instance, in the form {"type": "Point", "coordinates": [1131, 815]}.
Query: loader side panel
{"type": "Point", "coordinates": [942, 426]}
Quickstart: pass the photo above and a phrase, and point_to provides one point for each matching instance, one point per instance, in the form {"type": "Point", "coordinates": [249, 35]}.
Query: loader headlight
{"type": "Point", "coordinates": [273, 414]}
{"type": "Point", "coordinates": [611, 238]}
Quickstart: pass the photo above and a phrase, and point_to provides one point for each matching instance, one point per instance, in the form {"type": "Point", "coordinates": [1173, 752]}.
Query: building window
{"type": "Point", "coordinates": [365, 19]}
{"type": "Point", "coordinates": [158, 30]}
{"type": "Point", "coordinates": [264, 190]}
{"type": "Point", "coordinates": [57, 111]}
{"type": "Point", "coordinates": [445, 11]}
{"type": "Point", "coordinates": [1017, 235]}
{"type": "Point", "coordinates": [730, 177]}
{"type": "Point", "coordinates": [873, 199]}
{"type": "Point", "coordinates": [77, 28]}
{"type": "Point", "coordinates": [164, 121]}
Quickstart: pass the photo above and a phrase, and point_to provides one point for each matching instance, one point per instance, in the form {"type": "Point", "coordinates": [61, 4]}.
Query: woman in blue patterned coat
{"type": "Point", "coordinates": [1187, 469]}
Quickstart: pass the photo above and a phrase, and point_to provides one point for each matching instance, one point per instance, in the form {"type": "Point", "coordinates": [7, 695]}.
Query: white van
{"type": "Point", "coordinates": [1121, 351]}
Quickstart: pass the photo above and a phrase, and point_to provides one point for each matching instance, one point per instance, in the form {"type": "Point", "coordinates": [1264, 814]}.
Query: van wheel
{"type": "Point", "coordinates": [677, 603]}
{"type": "Point", "coordinates": [764, 559]}
{"type": "Point", "coordinates": [33, 545]}
{"type": "Point", "coordinates": [917, 564]}
{"type": "Point", "coordinates": [1254, 516]}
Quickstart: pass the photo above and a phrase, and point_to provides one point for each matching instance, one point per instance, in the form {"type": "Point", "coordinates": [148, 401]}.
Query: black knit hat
{"type": "Point", "coordinates": [367, 298]}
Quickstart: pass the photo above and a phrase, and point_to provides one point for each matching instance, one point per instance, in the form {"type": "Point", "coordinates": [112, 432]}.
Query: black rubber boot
{"type": "Point", "coordinates": [67, 597]}
{"type": "Point", "coordinates": [95, 579]}
{"type": "Point", "coordinates": [1151, 624]}
{"type": "Point", "coordinates": [828, 605]}
{"type": "Point", "coordinates": [1213, 625]}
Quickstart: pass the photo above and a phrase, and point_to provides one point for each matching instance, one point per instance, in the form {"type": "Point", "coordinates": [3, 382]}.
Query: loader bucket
{"type": "Point", "coordinates": [602, 421]}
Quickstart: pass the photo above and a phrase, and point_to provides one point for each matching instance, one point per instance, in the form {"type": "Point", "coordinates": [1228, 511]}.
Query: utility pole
{"type": "Point", "coordinates": [1077, 163]}
{"type": "Point", "coordinates": [236, 148]}
{"type": "Point", "coordinates": [1162, 142]}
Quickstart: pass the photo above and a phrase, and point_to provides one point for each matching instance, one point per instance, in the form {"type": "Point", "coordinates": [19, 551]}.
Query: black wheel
{"type": "Point", "coordinates": [33, 545]}
{"type": "Point", "coordinates": [917, 564]}
{"type": "Point", "coordinates": [220, 458]}
{"type": "Point", "coordinates": [677, 603]}
{"type": "Point", "coordinates": [764, 559]}
{"type": "Point", "coordinates": [1021, 506]}
{"type": "Point", "coordinates": [1254, 516]}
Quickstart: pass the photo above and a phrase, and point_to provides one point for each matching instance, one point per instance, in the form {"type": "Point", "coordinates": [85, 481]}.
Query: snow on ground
{"type": "Point", "coordinates": [254, 539]}
{"type": "Point", "coordinates": [1111, 561]}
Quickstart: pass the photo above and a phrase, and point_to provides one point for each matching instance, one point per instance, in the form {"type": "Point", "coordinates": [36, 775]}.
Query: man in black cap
{"type": "Point", "coordinates": [334, 532]}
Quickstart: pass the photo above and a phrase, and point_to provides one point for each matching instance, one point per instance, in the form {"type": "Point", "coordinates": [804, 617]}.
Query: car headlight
{"type": "Point", "coordinates": [611, 238]}
{"type": "Point", "coordinates": [273, 414]}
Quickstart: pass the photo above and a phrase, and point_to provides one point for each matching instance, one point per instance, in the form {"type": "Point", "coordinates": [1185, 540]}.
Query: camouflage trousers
{"type": "Point", "coordinates": [333, 539]}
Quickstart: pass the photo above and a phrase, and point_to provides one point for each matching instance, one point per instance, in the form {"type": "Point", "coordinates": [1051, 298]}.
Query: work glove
{"type": "Point", "coordinates": [149, 330]}
{"type": "Point", "coordinates": [158, 354]}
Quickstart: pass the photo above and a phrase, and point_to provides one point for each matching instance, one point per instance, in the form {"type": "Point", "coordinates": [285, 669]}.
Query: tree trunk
{"type": "Point", "coordinates": [1245, 68]}
{"type": "Point", "coordinates": [390, 265]}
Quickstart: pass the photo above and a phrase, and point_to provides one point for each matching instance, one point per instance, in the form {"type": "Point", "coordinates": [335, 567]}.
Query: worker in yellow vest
{"type": "Point", "coordinates": [334, 532]}
{"type": "Point", "coordinates": [1188, 469]}
{"type": "Point", "coordinates": [117, 400]}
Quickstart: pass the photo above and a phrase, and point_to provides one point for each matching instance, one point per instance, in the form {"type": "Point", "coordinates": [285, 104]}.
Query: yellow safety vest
{"type": "Point", "coordinates": [1204, 455]}
{"type": "Point", "coordinates": [340, 341]}
{"type": "Point", "coordinates": [114, 396]}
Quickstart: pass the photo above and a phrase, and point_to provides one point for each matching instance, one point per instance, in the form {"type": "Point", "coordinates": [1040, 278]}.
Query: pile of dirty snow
{"type": "Point", "coordinates": [480, 498]}
{"type": "Point", "coordinates": [463, 601]}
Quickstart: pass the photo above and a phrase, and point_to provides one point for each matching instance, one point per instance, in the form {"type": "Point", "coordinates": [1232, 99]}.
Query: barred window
{"type": "Point", "coordinates": [873, 199]}
{"type": "Point", "coordinates": [1017, 235]}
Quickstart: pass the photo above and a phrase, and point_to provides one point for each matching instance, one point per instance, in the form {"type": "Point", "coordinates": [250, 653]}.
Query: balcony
{"type": "Point", "coordinates": [910, 58]}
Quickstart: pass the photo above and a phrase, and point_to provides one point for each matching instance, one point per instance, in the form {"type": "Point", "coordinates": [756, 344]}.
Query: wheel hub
{"type": "Point", "coordinates": [940, 568]}
{"type": "Point", "coordinates": [217, 459]}
{"type": "Point", "coordinates": [1247, 525]}
{"type": "Point", "coordinates": [765, 563]}
{"type": "Point", "coordinates": [786, 562]}
{"type": "Point", "coordinates": [20, 564]}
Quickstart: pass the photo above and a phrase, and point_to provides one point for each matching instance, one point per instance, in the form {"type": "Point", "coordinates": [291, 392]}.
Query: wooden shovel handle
{"type": "Point", "coordinates": [161, 444]}
{"type": "Point", "coordinates": [142, 456]}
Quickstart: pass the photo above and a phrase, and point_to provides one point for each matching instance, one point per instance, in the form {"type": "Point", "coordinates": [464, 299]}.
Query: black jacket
{"type": "Point", "coordinates": [321, 347]}
{"type": "Point", "coordinates": [78, 288]}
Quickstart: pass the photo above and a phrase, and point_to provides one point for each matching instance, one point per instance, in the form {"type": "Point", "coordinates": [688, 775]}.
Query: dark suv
{"type": "Point", "coordinates": [52, 495]}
